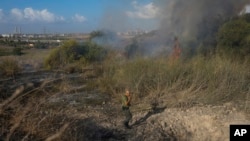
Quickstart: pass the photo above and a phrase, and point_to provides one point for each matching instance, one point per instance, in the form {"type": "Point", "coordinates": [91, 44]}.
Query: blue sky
{"type": "Point", "coordinates": [67, 16]}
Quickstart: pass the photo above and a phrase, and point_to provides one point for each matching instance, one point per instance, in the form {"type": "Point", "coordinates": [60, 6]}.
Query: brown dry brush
{"type": "Point", "coordinates": [27, 113]}
{"type": "Point", "coordinates": [24, 115]}
{"type": "Point", "coordinates": [13, 112]}
{"type": "Point", "coordinates": [9, 67]}
{"type": "Point", "coordinates": [198, 80]}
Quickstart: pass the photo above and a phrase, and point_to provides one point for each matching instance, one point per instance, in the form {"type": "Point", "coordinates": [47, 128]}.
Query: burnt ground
{"type": "Point", "coordinates": [59, 106]}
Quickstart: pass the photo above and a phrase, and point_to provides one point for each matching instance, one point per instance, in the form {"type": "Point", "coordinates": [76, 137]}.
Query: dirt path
{"type": "Point", "coordinates": [199, 123]}
{"type": "Point", "coordinates": [204, 123]}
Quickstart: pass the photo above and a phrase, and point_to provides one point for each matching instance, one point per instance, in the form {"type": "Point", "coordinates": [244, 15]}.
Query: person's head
{"type": "Point", "coordinates": [127, 92]}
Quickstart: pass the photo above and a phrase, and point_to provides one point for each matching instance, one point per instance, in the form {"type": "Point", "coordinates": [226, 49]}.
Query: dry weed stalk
{"type": "Point", "coordinates": [59, 133]}
{"type": "Point", "coordinates": [17, 120]}
{"type": "Point", "coordinates": [247, 101]}
{"type": "Point", "coordinates": [17, 96]}
{"type": "Point", "coordinates": [14, 95]}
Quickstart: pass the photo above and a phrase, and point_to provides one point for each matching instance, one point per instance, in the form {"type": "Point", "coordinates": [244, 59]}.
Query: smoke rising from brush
{"type": "Point", "coordinates": [190, 20]}
{"type": "Point", "coordinates": [194, 22]}
{"type": "Point", "coordinates": [194, 18]}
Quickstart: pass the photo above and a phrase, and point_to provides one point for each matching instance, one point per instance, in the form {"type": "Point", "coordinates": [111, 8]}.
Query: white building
{"type": "Point", "coordinates": [6, 35]}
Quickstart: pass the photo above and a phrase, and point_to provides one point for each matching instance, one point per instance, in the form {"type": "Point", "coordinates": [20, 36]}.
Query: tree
{"type": "Point", "coordinates": [234, 36]}
{"type": "Point", "coordinates": [17, 51]}
{"type": "Point", "coordinates": [95, 34]}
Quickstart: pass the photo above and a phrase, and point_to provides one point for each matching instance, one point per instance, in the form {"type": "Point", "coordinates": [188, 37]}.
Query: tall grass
{"type": "Point", "coordinates": [9, 66]}
{"type": "Point", "coordinates": [213, 80]}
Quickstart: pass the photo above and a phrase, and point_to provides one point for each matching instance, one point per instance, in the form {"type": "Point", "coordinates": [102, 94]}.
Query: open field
{"type": "Point", "coordinates": [170, 99]}
{"type": "Point", "coordinates": [121, 70]}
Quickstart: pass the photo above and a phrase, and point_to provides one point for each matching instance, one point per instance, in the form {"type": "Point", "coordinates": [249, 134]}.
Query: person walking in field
{"type": "Point", "coordinates": [126, 100]}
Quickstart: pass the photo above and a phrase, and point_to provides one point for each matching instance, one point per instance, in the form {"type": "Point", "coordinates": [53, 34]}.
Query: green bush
{"type": "Point", "coordinates": [71, 52]}
{"type": "Point", "coordinates": [233, 37]}
{"type": "Point", "coordinates": [94, 52]}
{"type": "Point", "coordinates": [17, 51]}
{"type": "Point", "coordinates": [41, 45]}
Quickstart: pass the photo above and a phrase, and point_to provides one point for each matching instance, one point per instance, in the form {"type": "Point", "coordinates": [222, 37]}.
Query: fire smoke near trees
{"type": "Point", "coordinates": [194, 18]}
{"type": "Point", "coordinates": [194, 22]}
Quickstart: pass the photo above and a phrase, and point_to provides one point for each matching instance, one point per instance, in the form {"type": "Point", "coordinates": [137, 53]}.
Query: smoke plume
{"type": "Point", "coordinates": [194, 18]}
{"type": "Point", "coordinates": [194, 21]}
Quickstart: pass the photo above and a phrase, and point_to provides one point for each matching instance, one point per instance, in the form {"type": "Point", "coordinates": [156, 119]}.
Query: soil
{"type": "Point", "coordinates": [90, 115]}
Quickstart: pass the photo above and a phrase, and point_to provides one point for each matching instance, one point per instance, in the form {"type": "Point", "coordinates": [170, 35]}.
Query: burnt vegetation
{"type": "Point", "coordinates": [76, 93]}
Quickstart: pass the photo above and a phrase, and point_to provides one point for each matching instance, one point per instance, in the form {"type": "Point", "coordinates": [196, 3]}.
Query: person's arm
{"type": "Point", "coordinates": [128, 101]}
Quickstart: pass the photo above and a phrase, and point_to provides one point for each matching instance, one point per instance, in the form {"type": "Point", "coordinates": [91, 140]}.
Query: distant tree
{"type": "Point", "coordinates": [234, 36]}
{"type": "Point", "coordinates": [246, 17]}
{"type": "Point", "coordinates": [95, 34]}
{"type": "Point", "coordinates": [41, 45]}
{"type": "Point", "coordinates": [17, 51]}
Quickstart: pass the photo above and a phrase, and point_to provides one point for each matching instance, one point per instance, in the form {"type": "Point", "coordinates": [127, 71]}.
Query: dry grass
{"type": "Point", "coordinates": [34, 58]}
{"type": "Point", "coordinates": [27, 114]}
{"type": "Point", "coordinates": [59, 133]}
{"type": "Point", "coordinates": [5, 50]}
{"type": "Point", "coordinates": [198, 80]}
{"type": "Point", "coordinates": [24, 115]}
{"type": "Point", "coordinates": [31, 114]}
{"type": "Point", "coordinates": [9, 66]}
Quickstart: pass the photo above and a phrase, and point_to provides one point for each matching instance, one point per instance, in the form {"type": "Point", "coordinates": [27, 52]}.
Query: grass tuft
{"type": "Point", "coordinates": [9, 66]}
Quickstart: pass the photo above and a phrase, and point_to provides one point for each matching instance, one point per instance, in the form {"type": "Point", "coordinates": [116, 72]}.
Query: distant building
{"type": "Point", "coordinates": [31, 36]}
{"type": "Point", "coordinates": [6, 35]}
{"type": "Point", "coordinates": [31, 45]}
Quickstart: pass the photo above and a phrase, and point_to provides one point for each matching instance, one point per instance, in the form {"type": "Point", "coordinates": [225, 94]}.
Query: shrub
{"type": "Point", "coordinates": [93, 52]}
{"type": "Point", "coordinates": [41, 45]}
{"type": "Point", "coordinates": [233, 37]}
{"type": "Point", "coordinates": [9, 66]}
{"type": "Point", "coordinates": [71, 52]}
{"type": "Point", "coordinates": [77, 66]}
{"type": "Point", "coordinates": [17, 51]}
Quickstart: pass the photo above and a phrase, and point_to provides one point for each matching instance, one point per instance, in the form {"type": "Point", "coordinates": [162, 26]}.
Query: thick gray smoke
{"type": "Point", "coordinates": [192, 21]}
{"type": "Point", "coordinates": [193, 18]}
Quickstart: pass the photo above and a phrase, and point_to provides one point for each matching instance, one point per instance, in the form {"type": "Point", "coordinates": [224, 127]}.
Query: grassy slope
{"type": "Point", "coordinates": [210, 81]}
{"type": "Point", "coordinates": [198, 80]}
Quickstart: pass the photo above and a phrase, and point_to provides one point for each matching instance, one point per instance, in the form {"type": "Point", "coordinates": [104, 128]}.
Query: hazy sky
{"type": "Point", "coordinates": [64, 16]}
